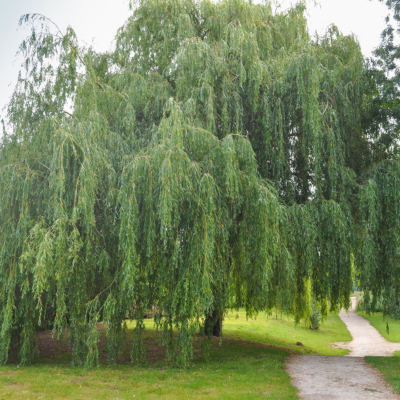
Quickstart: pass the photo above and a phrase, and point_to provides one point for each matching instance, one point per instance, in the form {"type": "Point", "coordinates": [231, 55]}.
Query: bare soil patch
{"type": "Point", "coordinates": [59, 351]}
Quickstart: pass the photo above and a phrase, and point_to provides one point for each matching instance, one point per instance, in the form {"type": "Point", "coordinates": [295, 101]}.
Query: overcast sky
{"type": "Point", "coordinates": [96, 23]}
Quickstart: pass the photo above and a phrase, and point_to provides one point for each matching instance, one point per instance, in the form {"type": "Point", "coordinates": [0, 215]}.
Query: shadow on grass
{"type": "Point", "coordinates": [249, 363]}
{"type": "Point", "coordinates": [235, 369]}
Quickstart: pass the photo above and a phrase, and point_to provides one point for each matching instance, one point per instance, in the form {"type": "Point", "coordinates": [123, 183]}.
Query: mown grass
{"type": "Point", "coordinates": [236, 370]}
{"type": "Point", "coordinates": [389, 367]}
{"type": "Point", "coordinates": [244, 366]}
{"type": "Point", "coordinates": [283, 332]}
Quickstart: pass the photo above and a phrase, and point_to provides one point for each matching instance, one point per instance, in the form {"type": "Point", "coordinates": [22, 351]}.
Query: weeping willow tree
{"type": "Point", "coordinates": [216, 158]}
{"type": "Point", "coordinates": [378, 252]}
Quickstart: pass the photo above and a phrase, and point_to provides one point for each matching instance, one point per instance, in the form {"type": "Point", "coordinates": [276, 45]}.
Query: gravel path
{"type": "Point", "coordinates": [367, 341]}
{"type": "Point", "coordinates": [336, 377]}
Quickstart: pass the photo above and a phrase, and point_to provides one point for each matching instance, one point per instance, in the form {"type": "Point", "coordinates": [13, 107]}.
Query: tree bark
{"type": "Point", "coordinates": [213, 324]}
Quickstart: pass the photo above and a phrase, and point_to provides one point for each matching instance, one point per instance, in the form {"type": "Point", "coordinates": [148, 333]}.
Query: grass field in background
{"type": "Point", "coordinates": [284, 333]}
{"type": "Point", "coordinates": [244, 366]}
{"type": "Point", "coordinates": [358, 295]}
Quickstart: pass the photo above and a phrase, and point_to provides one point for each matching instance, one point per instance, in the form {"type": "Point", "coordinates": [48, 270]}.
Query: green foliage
{"type": "Point", "coordinates": [315, 317]}
{"type": "Point", "coordinates": [215, 158]}
{"type": "Point", "coordinates": [378, 251]}
{"type": "Point", "coordinates": [383, 107]}
{"type": "Point", "coordinates": [379, 238]}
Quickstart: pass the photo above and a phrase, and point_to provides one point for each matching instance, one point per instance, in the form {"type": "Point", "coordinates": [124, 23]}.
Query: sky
{"type": "Point", "coordinates": [96, 23]}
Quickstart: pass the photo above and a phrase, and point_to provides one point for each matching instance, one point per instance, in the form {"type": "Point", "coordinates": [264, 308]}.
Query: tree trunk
{"type": "Point", "coordinates": [213, 324]}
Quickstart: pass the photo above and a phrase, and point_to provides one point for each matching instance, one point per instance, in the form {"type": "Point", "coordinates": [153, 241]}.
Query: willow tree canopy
{"type": "Point", "coordinates": [216, 158]}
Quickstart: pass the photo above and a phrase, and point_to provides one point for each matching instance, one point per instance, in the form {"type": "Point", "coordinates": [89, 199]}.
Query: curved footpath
{"type": "Point", "coordinates": [348, 377]}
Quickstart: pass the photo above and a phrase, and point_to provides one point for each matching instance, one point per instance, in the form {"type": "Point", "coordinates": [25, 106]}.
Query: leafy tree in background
{"type": "Point", "coordinates": [217, 158]}
{"type": "Point", "coordinates": [382, 71]}
{"type": "Point", "coordinates": [378, 255]}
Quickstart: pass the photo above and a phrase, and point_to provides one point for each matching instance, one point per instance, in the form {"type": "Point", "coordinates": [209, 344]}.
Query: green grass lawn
{"type": "Point", "coordinates": [284, 333]}
{"type": "Point", "coordinates": [389, 367]}
{"type": "Point", "coordinates": [236, 370]}
{"type": "Point", "coordinates": [245, 366]}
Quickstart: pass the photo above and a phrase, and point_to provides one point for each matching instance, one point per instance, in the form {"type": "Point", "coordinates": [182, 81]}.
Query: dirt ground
{"type": "Point", "coordinates": [348, 377]}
